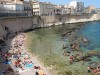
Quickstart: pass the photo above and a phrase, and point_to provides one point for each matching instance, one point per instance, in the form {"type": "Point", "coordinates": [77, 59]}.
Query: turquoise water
{"type": "Point", "coordinates": [91, 31]}
{"type": "Point", "coordinates": [45, 39]}
{"type": "Point", "coordinates": [47, 43]}
{"type": "Point", "coordinates": [52, 35]}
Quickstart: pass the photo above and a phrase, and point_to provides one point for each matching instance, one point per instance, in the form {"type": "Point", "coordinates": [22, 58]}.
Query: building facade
{"type": "Point", "coordinates": [1, 8]}
{"type": "Point", "coordinates": [98, 10]}
{"type": "Point", "coordinates": [12, 8]}
{"type": "Point", "coordinates": [90, 9]}
{"type": "Point", "coordinates": [70, 9]}
{"type": "Point", "coordinates": [43, 8]}
{"type": "Point", "coordinates": [58, 9]}
{"type": "Point", "coordinates": [27, 6]}
{"type": "Point", "coordinates": [73, 4]}
{"type": "Point", "coordinates": [80, 7]}
{"type": "Point", "coordinates": [16, 6]}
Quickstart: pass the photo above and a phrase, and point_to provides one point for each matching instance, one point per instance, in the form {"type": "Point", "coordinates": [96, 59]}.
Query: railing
{"type": "Point", "coordinates": [12, 14]}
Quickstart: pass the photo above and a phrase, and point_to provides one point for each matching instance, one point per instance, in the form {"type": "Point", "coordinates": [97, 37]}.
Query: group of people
{"type": "Point", "coordinates": [69, 53]}
{"type": "Point", "coordinates": [18, 56]}
{"type": "Point", "coordinates": [95, 71]}
{"type": "Point", "coordinates": [22, 59]}
{"type": "Point", "coordinates": [72, 58]}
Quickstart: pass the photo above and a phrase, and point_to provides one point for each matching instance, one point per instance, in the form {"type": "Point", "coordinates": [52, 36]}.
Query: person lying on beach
{"type": "Point", "coordinates": [27, 62]}
{"type": "Point", "coordinates": [21, 66]}
{"type": "Point", "coordinates": [7, 54]}
{"type": "Point", "coordinates": [6, 61]}
{"type": "Point", "coordinates": [17, 62]}
{"type": "Point", "coordinates": [8, 70]}
{"type": "Point", "coordinates": [36, 67]}
{"type": "Point", "coordinates": [18, 51]}
{"type": "Point", "coordinates": [96, 70]}
{"type": "Point", "coordinates": [15, 56]}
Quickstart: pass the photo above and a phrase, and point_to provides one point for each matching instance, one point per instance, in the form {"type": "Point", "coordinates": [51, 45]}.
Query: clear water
{"type": "Point", "coordinates": [50, 38]}
{"type": "Point", "coordinates": [91, 31]}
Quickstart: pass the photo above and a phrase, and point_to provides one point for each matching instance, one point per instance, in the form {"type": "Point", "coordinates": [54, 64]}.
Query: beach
{"type": "Point", "coordinates": [28, 63]}
{"type": "Point", "coordinates": [49, 51]}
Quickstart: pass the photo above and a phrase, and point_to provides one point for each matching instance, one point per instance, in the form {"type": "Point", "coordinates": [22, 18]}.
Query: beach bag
{"type": "Point", "coordinates": [36, 73]}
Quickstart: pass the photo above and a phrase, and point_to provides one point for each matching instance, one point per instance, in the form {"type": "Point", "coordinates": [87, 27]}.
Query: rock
{"type": "Point", "coordinates": [87, 59]}
{"type": "Point", "coordinates": [64, 47]}
{"type": "Point", "coordinates": [93, 53]}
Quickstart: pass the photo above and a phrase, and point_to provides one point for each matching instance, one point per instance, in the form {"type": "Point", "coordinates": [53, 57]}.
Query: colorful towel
{"type": "Point", "coordinates": [7, 62]}
{"type": "Point", "coordinates": [29, 65]}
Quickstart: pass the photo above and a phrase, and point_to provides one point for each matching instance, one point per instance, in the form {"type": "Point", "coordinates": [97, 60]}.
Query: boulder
{"type": "Point", "coordinates": [93, 53]}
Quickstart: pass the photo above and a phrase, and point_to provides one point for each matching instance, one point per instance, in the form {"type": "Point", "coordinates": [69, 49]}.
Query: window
{"type": "Point", "coordinates": [24, 8]}
{"type": "Point", "coordinates": [11, 7]}
{"type": "Point", "coordinates": [6, 7]}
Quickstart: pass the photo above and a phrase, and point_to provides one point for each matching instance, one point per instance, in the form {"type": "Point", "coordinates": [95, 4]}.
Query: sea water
{"type": "Point", "coordinates": [91, 31]}
{"type": "Point", "coordinates": [50, 38]}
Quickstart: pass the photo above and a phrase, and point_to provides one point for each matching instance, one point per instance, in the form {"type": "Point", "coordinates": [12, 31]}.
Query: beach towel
{"type": "Point", "coordinates": [7, 62]}
{"type": "Point", "coordinates": [29, 65]}
{"type": "Point", "coordinates": [21, 71]}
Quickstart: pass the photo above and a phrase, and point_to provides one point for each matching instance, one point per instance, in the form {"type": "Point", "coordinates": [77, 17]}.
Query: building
{"type": "Point", "coordinates": [98, 10]}
{"type": "Point", "coordinates": [70, 9]}
{"type": "Point", "coordinates": [80, 7]}
{"type": "Point", "coordinates": [16, 6]}
{"type": "Point", "coordinates": [1, 8]}
{"type": "Point", "coordinates": [75, 7]}
{"type": "Point", "coordinates": [58, 9]}
{"type": "Point", "coordinates": [43, 8]}
{"type": "Point", "coordinates": [12, 8]}
{"type": "Point", "coordinates": [64, 10]}
{"type": "Point", "coordinates": [73, 4]}
{"type": "Point", "coordinates": [90, 9]}
{"type": "Point", "coordinates": [27, 6]}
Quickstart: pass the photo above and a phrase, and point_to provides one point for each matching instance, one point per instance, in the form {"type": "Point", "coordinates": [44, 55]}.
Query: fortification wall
{"type": "Point", "coordinates": [16, 24]}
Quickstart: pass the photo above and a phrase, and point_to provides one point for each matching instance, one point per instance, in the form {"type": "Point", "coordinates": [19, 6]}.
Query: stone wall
{"type": "Point", "coordinates": [60, 19]}
{"type": "Point", "coordinates": [2, 32]}
{"type": "Point", "coordinates": [17, 24]}
{"type": "Point", "coordinates": [25, 23]}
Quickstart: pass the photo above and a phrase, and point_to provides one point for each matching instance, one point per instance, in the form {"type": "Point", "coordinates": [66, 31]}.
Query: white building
{"type": "Point", "coordinates": [76, 7]}
{"type": "Point", "coordinates": [13, 8]}
{"type": "Point", "coordinates": [16, 6]}
{"type": "Point", "coordinates": [1, 8]}
{"type": "Point", "coordinates": [68, 10]}
{"type": "Point", "coordinates": [43, 8]}
{"type": "Point", "coordinates": [73, 4]}
{"type": "Point", "coordinates": [80, 7]}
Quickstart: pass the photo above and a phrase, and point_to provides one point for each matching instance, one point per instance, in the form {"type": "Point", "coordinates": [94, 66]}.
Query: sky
{"type": "Point", "coordinates": [86, 2]}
